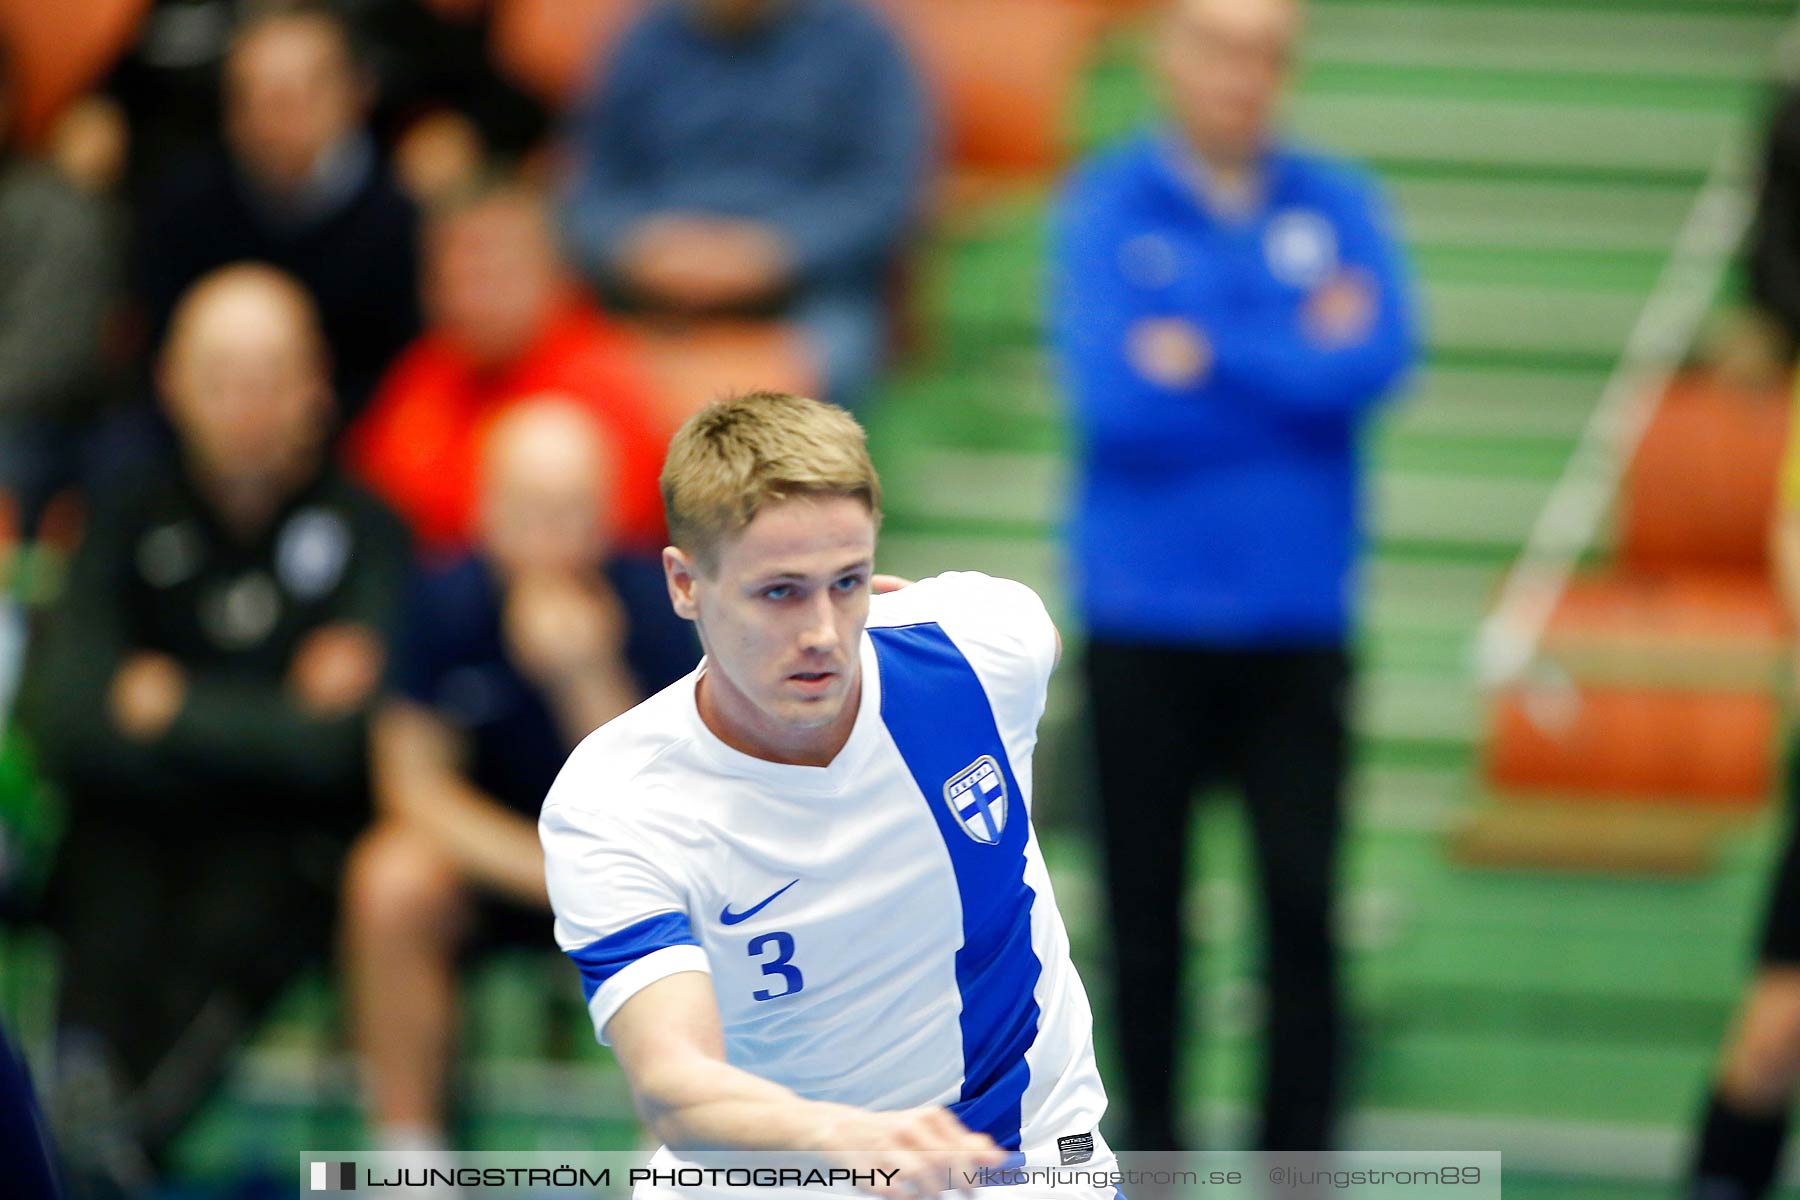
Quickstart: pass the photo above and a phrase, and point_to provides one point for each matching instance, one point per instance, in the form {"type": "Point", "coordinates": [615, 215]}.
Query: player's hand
{"type": "Point", "coordinates": [881, 585]}
{"type": "Point", "coordinates": [928, 1150]}
{"type": "Point", "coordinates": [558, 628]}
{"type": "Point", "coordinates": [336, 668]}
{"type": "Point", "coordinates": [1342, 311]}
{"type": "Point", "coordinates": [1171, 352]}
{"type": "Point", "coordinates": [146, 695]}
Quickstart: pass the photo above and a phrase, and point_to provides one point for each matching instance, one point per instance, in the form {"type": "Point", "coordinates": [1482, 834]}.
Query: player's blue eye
{"type": "Point", "coordinates": [849, 583]}
{"type": "Point", "coordinates": [780, 591]}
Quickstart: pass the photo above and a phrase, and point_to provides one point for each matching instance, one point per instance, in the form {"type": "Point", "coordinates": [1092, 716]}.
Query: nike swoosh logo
{"type": "Point", "coordinates": [726, 916]}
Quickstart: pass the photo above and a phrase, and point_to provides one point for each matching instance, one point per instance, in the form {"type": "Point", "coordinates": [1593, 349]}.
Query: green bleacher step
{"type": "Point", "coordinates": [1518, 134]}
{"type": "Point", "coordinates": [1573, 38]}
{"type": "Point", "coordinates": [1527, 215]}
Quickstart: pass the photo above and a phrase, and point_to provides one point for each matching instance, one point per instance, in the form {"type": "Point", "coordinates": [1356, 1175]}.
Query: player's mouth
{"type": "Point", "coordinates": [813, 683]}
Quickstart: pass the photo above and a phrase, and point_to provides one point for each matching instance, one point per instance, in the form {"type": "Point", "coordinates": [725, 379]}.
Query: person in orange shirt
{"type": "Point", "coordinates": [506, 322]}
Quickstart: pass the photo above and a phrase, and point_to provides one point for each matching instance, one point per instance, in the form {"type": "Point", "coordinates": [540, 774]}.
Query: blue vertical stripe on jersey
{"type": "Point", "coordinates": [605, 957]}
{"type": "Point", "coordinates": [936, 711]}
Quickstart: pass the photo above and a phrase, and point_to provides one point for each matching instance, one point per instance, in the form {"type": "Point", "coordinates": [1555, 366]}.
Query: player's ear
{"type": "Point", "coordinates": [680, 572]}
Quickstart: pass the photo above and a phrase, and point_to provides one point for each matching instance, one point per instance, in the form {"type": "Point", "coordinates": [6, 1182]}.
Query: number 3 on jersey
{"type": "Point", "coordinates": [781, 964]}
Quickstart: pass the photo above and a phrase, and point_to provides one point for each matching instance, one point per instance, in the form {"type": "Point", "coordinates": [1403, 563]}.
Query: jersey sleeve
{"type": "Point", "coordinates": [621, 916]}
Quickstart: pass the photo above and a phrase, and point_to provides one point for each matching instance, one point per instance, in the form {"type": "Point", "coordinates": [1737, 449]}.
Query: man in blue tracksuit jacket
{"type": "Point", "coordinates": [1229, 311]}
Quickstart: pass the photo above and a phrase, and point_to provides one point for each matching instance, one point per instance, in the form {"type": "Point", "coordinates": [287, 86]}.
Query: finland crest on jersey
{"type": "Point", "coordinates": [977, 799]}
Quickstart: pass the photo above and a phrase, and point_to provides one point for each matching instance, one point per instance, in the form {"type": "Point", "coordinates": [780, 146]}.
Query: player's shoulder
{"type": "Point", "coordinates": [1001, 625]}
{"type": "Point", "coordinates": [953, 595]}
{"type": "Point", "coordinates": [627, 768]}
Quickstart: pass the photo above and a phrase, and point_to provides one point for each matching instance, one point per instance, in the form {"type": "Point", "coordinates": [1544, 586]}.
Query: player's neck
{"type": "Point", "coordinates": [746, 729]}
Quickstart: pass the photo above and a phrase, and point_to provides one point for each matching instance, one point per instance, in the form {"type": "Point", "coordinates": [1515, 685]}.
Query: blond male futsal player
{"type": "Point", "coordinates": [801, 884]}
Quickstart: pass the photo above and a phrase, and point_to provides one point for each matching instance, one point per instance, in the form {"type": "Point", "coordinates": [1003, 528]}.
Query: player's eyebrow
{"type": "Point", "coordinates": [861, 564]}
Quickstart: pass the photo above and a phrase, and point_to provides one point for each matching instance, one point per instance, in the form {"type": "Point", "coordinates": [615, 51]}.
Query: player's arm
{"type": "Point", "coordinates": [418, 777]}
{"type": "Point", "coordinates": [669, 1041]}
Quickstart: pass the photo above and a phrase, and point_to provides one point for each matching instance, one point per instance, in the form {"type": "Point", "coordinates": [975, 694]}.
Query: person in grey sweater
{"type": "Point", "coordinates": [58, 268]}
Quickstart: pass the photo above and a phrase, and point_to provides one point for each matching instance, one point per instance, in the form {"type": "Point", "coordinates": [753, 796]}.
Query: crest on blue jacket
{"type": "Point", "coordinates": [977, 799]}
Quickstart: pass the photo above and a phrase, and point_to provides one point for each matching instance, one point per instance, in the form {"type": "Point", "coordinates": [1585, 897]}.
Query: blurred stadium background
{"type": "Point", "coordinates": [1553, 883]}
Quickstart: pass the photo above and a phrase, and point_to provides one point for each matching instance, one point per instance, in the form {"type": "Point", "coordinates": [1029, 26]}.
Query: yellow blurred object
{"type": "Point", "coordinates": [1621, 839]}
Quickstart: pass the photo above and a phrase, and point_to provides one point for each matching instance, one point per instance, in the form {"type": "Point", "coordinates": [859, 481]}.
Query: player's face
{"type": "Point", "coordinates": [1225, 64]}
{"type": "Point", "coordinates": [782, 616]}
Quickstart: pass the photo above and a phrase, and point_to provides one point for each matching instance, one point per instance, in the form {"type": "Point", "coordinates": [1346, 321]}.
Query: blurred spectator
{"type": "Point", "coordinates": [1229, 309]}
{"type": "Point", "coordinates": [56, 285]}
{"type": "Point", "coordinates": [506, 323]}
{"type": "Point", "coordinates": [300, 187]}
{"type": "Point", "coordinates": [443, 105]}
{"type": "Point", "coordinates": [201, 698]}
{"type": "Point", "coordinates": [1775, 235]}
{"type": "Point", "coordinates": [510, 657]}
{"type": "Point", "coordinates": [754, 156]}
{"type": "Point", "coordinates": [160, 102]}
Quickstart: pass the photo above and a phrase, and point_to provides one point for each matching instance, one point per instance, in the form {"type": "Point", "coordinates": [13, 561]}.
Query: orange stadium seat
{"type": "Point", "coordinates": [1670, 629]}
{"type": "Point", "coordinates": [60, 48]}
{"type": "Point", "coordinates": [691, 365]}
{"type": "Point", "coordinates": [1701, 488]}
{"type": "Point", "coordinates": [1678, 652]}
{"type": "Point", "coordinates": [551, 46]}
{"type": "Point", "coordinates": [1647, 744]}
{"type": "Point", "coordinates": [1004, 73]}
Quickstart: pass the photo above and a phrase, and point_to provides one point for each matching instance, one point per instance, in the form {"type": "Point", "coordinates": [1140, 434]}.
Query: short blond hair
{"type": "Point", "coordinates": [735, 457]}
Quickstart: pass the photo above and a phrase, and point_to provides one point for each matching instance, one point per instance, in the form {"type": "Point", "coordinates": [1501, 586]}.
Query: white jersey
{"type": "Point", "coordinates": [880, 932]}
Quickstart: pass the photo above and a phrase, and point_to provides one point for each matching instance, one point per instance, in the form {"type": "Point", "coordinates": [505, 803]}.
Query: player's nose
{"type": "Point", "coordinates": [820, 635]}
